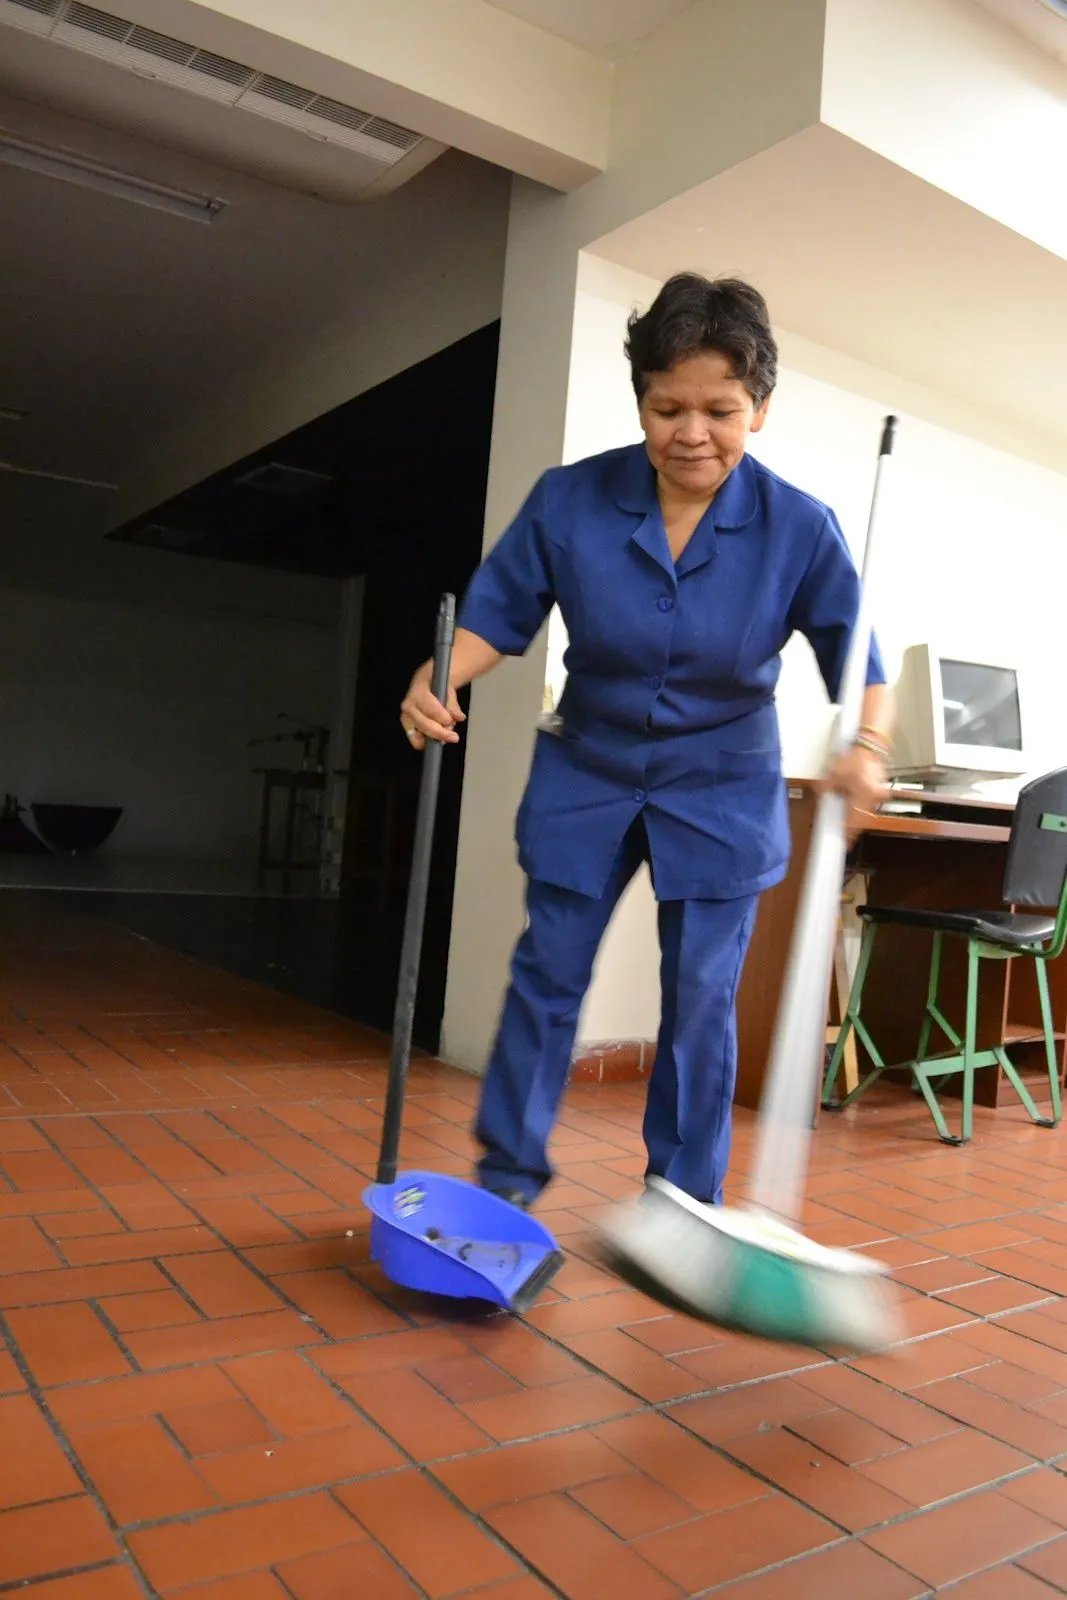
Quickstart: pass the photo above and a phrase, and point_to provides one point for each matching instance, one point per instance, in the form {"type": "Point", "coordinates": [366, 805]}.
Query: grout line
{"type": "Point", "coordinates": [29, 1585]}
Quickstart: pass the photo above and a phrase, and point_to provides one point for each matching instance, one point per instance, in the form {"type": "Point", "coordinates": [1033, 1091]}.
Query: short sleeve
{"type": "Point", "coordinates": [513, 590]}
{"type": "Point", "coordinates": [826, 605]}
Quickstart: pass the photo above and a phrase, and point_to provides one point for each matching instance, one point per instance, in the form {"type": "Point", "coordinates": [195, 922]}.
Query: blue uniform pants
{"type": "Point", "coordinates": [688, 1114]}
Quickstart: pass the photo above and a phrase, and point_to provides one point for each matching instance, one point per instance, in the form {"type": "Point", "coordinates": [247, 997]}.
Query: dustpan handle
{"type": "Point", "coordinates": [415, 915]}
{"type": "Point", "coordinates": [796, 1058]}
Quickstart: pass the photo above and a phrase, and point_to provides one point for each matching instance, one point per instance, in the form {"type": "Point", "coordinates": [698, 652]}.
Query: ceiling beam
{"type": "Point", "coordinates": [458, 71]}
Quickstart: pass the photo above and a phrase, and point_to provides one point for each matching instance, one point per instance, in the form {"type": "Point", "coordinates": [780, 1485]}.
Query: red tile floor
{"type": "Point", "coordinates": [208, 1392]}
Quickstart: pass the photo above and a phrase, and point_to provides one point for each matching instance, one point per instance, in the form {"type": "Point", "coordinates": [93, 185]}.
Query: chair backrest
{"type": "Point", "coordinates": [1036, 874]}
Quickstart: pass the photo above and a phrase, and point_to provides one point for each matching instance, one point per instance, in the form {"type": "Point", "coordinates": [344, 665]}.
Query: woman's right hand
{"type": "Point", "coordinates": [422, 716]}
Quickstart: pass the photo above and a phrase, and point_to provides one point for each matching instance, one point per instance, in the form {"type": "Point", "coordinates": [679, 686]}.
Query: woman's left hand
{"type": "Point", "coordinates": [860, 776]}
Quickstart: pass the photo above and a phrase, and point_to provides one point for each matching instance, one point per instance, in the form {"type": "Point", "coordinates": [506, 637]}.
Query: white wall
{"type": "Point", "coordinates": [976, 562]}
{"type": "Point", "coordinates": [955, 95]}
{"type": "Point", "coordinates": [113, 704]}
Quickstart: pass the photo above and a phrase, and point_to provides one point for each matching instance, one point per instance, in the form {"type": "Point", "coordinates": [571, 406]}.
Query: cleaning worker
{"type": "Point", "coordinates": [681, 566]}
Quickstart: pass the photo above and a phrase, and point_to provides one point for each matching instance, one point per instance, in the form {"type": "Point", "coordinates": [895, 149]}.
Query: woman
{"type": "Point", "coordinates": [681, 567]}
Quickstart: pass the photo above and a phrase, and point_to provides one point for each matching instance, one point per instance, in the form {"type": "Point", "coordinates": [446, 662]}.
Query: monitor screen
{"type": "Point", "coordinates": [981, 705]}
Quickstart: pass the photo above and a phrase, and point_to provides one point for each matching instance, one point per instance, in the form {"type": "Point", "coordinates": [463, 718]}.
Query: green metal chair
{"type": "Point", "coordinates": [1036, 876]}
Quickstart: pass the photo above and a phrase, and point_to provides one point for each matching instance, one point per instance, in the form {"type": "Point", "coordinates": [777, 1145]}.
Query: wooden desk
{"type": "Point", "coordinates": [953, 854]}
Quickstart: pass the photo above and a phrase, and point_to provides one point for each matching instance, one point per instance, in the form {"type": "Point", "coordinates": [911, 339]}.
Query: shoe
{"type": "Point", "coordinates": [514, 1197]}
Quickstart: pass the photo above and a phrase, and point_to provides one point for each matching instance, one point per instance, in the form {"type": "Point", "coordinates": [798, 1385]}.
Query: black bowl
{"type": "Point", "coordinates": [75, 829]}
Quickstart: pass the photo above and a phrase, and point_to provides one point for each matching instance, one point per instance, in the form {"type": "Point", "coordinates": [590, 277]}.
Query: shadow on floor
{"type": "Point", "coordinates": [305, 948]}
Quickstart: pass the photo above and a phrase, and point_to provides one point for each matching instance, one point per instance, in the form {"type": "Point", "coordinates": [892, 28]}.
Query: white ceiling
{"type": "Point", "coordinates": [862, 257]}
{"type": "Point", "coordinates": [1034, 20]}
{"type": "Point", "coordinates": [607, 27]}
{"type": "Point", "coordinates": [120, 321]}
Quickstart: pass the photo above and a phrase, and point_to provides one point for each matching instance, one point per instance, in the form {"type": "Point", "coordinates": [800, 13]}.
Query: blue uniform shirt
{"type": "Point", "coordinates": [669, 704]}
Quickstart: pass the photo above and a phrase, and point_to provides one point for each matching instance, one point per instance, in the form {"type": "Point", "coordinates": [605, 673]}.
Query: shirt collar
{"type": "Point", "coordinates": [733, 506]}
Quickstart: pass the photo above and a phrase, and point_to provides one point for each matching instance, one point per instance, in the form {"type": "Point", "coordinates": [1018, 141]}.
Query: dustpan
{"type": "Point", "coordinates": [432, 1232]}
{"type": "Point", "coordinates": [749, 1267]}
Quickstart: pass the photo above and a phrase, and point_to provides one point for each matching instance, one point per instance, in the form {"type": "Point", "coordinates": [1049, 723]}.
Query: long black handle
{"type": "Point", "coordinates": [415, 916]}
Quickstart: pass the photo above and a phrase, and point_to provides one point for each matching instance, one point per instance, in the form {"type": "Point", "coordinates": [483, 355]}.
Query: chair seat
{"type": "Point", "coordinates": [1009, 929]}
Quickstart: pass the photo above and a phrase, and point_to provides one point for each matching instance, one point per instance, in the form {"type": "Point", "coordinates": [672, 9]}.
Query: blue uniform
{"type": "Point", "coordinates": [668, 751]}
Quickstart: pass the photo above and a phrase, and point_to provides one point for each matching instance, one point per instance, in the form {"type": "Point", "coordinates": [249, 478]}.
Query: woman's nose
{"type": "Point", "coordinates": [692, 429]}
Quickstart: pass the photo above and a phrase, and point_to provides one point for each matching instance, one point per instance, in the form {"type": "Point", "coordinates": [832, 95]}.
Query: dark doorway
{"type": "Point", "coordinates": [390, 486]}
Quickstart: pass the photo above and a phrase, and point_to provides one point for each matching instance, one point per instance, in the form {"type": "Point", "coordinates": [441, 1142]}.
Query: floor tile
{"type": "Point", "coordinates": [528, 1470]}
{"type": "Point", "coordinates": [427, 1536]}
{"type": "Point", "coordinates": [42, 1540]}
{"type": "Point", "coordinates": [213, 1429]}
{"type": "Point", "coordinates": [1001, 1419]}
{"type": "Point", "coordinates": [357, 1570]}
{"type": "Point", "coordinates": [310, 1461]}
{"type": "Point", "coordinates": [231, 1542]}
{"type": "Point", "coordinates": [195, 1208]}
{"type": "Point", "coordinates": [219, 1285]}
{"type": "Point", "coordinates": [417, 1416]}
{"type": "Point", "coordinates": [633, 1504]}
{"type": "Point", "coordinates": [106, 1583]}
{"type": "Point", "coordinates": [140, 1473]}
{"type": "Point", "coordinates": [577, 1554]}
{"type": "Point", "coordinates": [33, 1465]}
{"type": "Point", "coordinates": [66, 1344]}
{"type": "Point", "coordinates": [247, 1586]}
{"type": "Point", "coordinates": [955, 1541]}
{"type": "Point", "coordinates": [1044, 1491]}
{"type": "Point", "coordinates": [287, 1391]}
{"type": "Point", "coordinates": [845, 1572]}
{"type": "Point", "coordinates": [841, 1494]}
{"type": "Point", "coordinates": [736, 1543]}
{"type": "Point", "coordinates": [664, 1451]}
{"type": "Point", "coordinates": [539, 1411]}
{"type": "Point", "coordinates": [846, 1437]}
{"type": "Point", "coordinates": [159, 1308]}
{"type": "Point", "coordinates": [1005, 1583]}
{"type": "Point", "coordinates": [1049, 1564]}
{"type": "Point", "coordinates": [946, 1467]}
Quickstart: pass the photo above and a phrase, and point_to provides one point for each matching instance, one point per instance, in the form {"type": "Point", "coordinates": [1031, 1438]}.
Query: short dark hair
{"type": "Point", "coordinates": [692, 315]}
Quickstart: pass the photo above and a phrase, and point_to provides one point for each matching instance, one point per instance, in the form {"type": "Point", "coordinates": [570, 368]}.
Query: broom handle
{"type": "Point", "coordinates": [797, 1050]}
{"type": "Point", "coordinates": [415, 915]}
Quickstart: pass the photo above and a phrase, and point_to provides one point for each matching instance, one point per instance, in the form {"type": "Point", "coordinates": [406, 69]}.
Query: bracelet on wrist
{"type": "Point", "coordinates": [873, 744]}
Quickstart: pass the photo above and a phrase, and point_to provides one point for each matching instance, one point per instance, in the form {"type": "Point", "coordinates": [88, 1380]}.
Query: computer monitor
{"type": "Point", "coordinates": [957, 720]}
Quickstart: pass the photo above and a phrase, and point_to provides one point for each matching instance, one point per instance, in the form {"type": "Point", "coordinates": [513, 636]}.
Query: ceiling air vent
{"type": "Point", "coordinates": [164, 538]}
{"type": "Point", "coordinates": [275, 477]}
{"type": "Point", "coordinates": [155, 55]}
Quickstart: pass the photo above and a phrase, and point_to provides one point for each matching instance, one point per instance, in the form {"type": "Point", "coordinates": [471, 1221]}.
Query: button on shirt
{"type": "Point", "coordinates": [671, 668]}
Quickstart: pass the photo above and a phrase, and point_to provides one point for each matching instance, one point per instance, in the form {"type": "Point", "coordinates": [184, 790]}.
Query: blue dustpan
{"type": "Point", "coordinates": [443, 1236]}
{"type": "Point", "coordinates": [430, 1232]}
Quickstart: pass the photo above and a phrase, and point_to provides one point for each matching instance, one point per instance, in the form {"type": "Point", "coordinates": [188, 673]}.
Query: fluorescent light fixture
{"type": "Point", "coordinates": [56, 477]}
{"type": "Point", "coordinates": [87, 174]}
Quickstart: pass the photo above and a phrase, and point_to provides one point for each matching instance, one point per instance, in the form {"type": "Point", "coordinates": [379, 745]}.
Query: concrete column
{"type": "Point", "coordinates": [528, 427]}
{"type": "Point", "coordinates": [716, 86]}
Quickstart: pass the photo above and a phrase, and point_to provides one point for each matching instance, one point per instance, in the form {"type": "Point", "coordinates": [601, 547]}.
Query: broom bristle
{"type": "Point", "coordinates": [750, 1273]}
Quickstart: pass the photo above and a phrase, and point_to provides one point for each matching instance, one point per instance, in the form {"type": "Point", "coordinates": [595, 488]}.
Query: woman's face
{"type": "Point", "coordinates": [697, 418]}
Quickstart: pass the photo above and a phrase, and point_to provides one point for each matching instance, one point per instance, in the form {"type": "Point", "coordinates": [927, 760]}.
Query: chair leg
{"type": "Point", "coordinates": [934, 1016]}
{"type": "Point", "coordinates": [1011, 1072]}
{"type": "Point", "coordinates": [1050, 1046]}
{"type": "Point", "coordinates": [969, 1063]}
{"type": "Point", "coordinates": [970, 1044]}
{"type": "Point", "coordinates": [932, 985]}
{"type": "Point", "coordinates": [926, 1078]}
{"type": "Point", "coordinates": [852, 1023]}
